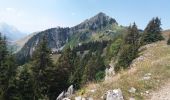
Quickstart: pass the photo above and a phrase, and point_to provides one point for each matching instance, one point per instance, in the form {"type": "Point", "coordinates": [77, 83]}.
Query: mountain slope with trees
{"type": "Point", "coordinates": [97, 28]}
{"type": "Point", "coordinates": [88, 49]}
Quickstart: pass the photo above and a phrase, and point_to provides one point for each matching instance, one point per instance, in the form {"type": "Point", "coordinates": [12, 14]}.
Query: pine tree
{"type": "Point", "coordinates": [152, 32]}
{"type": "Point", "coordinates": [41, 63]}
{"type": "Point", "coordinates": [7, 69]}
{"type": "Point", "coordinates": [25, 84]}
{"type": "Point", "coordinates": [168, 42]}
{"type": "Point", "coordinates": [132, 38]}
{"type": "Point", "coordinates": [129, 49]}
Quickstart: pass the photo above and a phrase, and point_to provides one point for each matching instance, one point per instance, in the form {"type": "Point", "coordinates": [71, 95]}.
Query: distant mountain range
{"type": "Point", "coordinates": [98, 28]}
{"type": "Point", "coordinates": [11, 32]}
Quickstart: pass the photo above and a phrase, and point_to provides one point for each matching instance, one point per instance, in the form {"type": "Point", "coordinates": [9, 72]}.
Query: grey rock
{"type": "Point", "coordinates": [64, 95]}
{"type": "Point", "coordinates": [131, 98]}
{"type": "Point", "coordinates": [132, 90]}
{"type": "Point", "coordinates": [109, 72]}
{"type": "Point", "coordinates": [90, 98]}
{"type": "Point", "coordinates": [69, 91]}
{"type": "Point", "coordinates": [93, 90]}
{"type": "Point", "coordinates": [78, 98]}
{"type": "Point", "coordinates": [61, 96]}
{"type": "Point", "coordinates": [147, 76]}
{"type": "Point", "coordinates": [83, 99]}
{"type": "Point", "coordinates": [115, 94]}
{"type": "Point", "coordinates": [66, 99]}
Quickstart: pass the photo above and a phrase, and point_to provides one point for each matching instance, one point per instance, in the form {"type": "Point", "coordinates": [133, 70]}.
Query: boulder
{"type": "Point", "coordinates": [61, 96]}
{"type": "Point", "coordinates": [131, 98]}
{"type": "Point", "coordinates": [64, 95]}
{"type": "Point", "coordinates": [70, 91]}
{"type": "Point", "coordinates": [115, 94]}
{"type": "Point", "coordinates": [109, 72]}
{"type": "Point", "coordinates": [92, 91]}
{"type": "Point", "coordinates": [83, 99]}
{"type": "Point", "coordinates": [78, 98]}
{"type": "Point", "coordinates": [147, 76]}
{"type": "Point", "coordinates": [66, 99]}
{"type": "Point", "coordinates": [132, 90]}
{"type": "Point", "coordinates": [90, 98]}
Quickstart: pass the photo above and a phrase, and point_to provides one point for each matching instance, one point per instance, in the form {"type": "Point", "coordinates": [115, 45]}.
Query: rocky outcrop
{"type": "Point", "coordinates": [61, 96]}
{"type": "Point", "coordinates": [69, 91]}
{"type": "Point", "coordinates": [132, 90]}
{"type": "Point", "coordinates": [56, 39]}
{"type": "Point", "coordinates": [115, 94]}
{"type": "Point", "coordinates": [66, 99]}
{"type": "Point", "coordinates": [97, 22]}
{"type": "Point", "coordinates": [109, 72]}
{"type": "Point", "coordinates": [65, 95]}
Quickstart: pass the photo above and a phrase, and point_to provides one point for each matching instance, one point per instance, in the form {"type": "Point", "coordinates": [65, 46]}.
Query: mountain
{"type": "Point", "coordinates": [11, 32]}
{"type": "Point", "coordinates": [100, 27]}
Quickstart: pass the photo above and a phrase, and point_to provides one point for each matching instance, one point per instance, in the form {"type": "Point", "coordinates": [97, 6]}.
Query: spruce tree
{"type": "Point", "coordinates": [129, 49]}
{"type": "Point", "coordinates": [168, 42]}
{"type": "Point", "coordinates": [25, 84]}
{"type": "Point", "coordinates": [41, 63]}
{"type": "Point", "coordinates": [7, 69]}
{"type": "Point", "coordinates": [152, 32]}
{"type": "Point", "coordinates": [132, 38]}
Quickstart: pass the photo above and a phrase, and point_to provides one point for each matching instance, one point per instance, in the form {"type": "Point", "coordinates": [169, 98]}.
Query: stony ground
{"type": "Point", "coordinates": [163, 93]}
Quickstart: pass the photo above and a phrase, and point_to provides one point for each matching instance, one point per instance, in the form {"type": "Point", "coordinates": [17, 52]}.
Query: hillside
{"type": "Point", "coordinates": [148, 73]}
{"type": "Point", "coordinates": [21, 42]}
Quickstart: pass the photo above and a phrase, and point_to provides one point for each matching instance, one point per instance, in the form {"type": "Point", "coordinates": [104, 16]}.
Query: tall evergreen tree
{"type": "Point", "coordinates": [7, 69]}
{"type": "Point", "coordinates": [132, 38]}
{"type": "Point", "coordinates": [25, 84]}
{"type": "Point", "coordinates": [152, 32]}
{"type": "Point", "coordinates": [168, 42]}
{"type": "Point", "coordinates": [129, 49]}
{"type": "Point", "coordinates": [41, 63]}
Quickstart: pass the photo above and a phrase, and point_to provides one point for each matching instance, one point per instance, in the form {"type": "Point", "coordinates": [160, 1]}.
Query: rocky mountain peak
{"type": "Point", "coordinates": [97, 22]}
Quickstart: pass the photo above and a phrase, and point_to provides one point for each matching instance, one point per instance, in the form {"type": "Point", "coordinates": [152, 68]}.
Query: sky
{"type": "Point", "coordinates": [37, 15]}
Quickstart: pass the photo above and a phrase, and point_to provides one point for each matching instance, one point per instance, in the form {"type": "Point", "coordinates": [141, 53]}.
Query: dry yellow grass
{"type": "Point", "coordinates": [156, 61]}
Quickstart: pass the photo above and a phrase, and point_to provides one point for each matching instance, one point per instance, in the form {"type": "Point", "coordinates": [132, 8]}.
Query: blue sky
{"type": "Point", "coordinates": [37, 15]}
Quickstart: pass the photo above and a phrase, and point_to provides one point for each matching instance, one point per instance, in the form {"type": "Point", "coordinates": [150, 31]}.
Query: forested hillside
{"type": "Point", "coordinates": [86, 53]}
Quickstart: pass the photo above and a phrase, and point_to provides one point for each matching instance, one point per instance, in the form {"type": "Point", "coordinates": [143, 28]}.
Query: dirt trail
{"type": "Point", "coordinates": [163, 93]}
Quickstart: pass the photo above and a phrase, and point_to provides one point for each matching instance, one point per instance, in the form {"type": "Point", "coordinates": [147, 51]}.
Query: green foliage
{"type": "Point", "coordinates": [7, 70]}
{"type": "Point", "coordinates": [25, 85]}
{"type": "Point", "coordinates": [94, 65]}
{"type": "Point", "coordinates": [113, 48]}
{"type": "Point", "coordinates": [129, 49]}
{"type": "Point", "coordinates": [152, 32]}
{"type": "Point", "coordinates": [100, 75]}
{"type": "Point", "coordinates": [168, 42]}
{"type": "Point", "coordinates": [126, 57]}
{"type": "Point", "coordinates": [41, 63]}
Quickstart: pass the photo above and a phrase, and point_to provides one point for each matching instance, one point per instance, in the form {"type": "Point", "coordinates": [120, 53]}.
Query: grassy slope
{"type": "Point", "coordinates": [156, 61]}
{"type": "Point", "coordinates": [107, 33]}
{"type": "Point", "coordinates": [20, 43]}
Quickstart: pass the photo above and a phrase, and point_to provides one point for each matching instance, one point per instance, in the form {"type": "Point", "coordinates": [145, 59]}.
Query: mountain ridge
{"type": "Point", "coordinates": [98, 26]}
